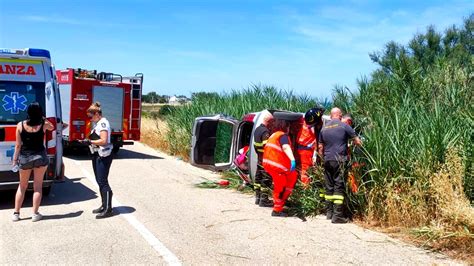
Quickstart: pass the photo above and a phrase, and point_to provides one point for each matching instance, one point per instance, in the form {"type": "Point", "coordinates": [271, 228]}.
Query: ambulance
{"type": "Point", "coordinates": [120, 99]}
{"type": "Point", "coordinates": [26, 76]}
{"type": "Point", "coordinates": [217, 140]}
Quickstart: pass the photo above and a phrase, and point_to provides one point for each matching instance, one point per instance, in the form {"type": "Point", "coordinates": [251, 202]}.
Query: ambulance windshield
{"type": "Point", "coordinates": [15, 97]}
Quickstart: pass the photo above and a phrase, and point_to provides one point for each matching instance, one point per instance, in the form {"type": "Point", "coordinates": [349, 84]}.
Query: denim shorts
{"type": "Point", "coordinates": [30, 160]}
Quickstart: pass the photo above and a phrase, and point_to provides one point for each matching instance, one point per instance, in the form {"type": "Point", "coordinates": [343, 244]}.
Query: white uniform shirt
{"type": "Point", "coordinates": [101, 125]}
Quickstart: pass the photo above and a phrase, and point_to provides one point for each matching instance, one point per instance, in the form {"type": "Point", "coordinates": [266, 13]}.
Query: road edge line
{"type": "Point", "coordinates": [155, 243]}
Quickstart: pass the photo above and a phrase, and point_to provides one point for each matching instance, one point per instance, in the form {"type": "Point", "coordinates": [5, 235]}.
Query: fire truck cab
{"type": "Point", "coordinates": [120, 99]}
{"type": "Point", "coordinates": [26, 76]}
{"type": "Point", "coordinates": [217, 139]}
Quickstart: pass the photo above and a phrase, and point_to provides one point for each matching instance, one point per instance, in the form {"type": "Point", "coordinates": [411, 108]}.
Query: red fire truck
{"type": "Point", "coordinates": [120, 99]}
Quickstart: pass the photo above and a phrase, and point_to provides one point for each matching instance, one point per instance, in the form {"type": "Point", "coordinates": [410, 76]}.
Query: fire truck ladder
{"type": "Point", "coordinates": [136, 82]}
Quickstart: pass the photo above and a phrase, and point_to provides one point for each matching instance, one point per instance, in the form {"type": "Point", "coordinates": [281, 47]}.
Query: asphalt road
{"type": "Point", "coordinates": [162, 218]}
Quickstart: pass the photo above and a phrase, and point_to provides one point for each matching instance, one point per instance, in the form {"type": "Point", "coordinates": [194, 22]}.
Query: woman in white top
{"type": "Point", "coordinates": [101, 149]}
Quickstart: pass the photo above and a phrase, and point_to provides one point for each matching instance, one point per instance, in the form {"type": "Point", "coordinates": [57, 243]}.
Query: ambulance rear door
{"type": "Point", "coordinates": [214, 142]}
{"type": "Point", "coordinates": [22, 81]}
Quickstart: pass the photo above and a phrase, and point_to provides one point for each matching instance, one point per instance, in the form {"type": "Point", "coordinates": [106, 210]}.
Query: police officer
{"type": "Point", "coordinates": [101, 149]}
{"type": "Point", "coordinates": [263, 181]}
{"type": "Point", "coordinates": [334, 138]}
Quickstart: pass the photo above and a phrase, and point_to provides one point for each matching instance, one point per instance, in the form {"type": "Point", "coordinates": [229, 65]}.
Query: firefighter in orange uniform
{"type": "Point", "coordinates": [279, 162]}
{"type": "Point", "coordinates": [306, 142]}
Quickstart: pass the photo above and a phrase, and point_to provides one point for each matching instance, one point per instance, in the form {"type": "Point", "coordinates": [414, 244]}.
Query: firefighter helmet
{"type": "Point", "coordinates": [313, 116]}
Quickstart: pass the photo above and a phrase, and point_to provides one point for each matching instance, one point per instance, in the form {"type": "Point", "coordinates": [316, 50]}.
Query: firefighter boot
{"type": "Point", "coordinates": [339, 215]}
{"type": "Point", "coordinates": [107, 212]}
{"type": "Point", "coordinates": [265, 201]}
{"type": "Point", "coordinates": [279, 214]}
{"type": "Point", "coordinates": [102, 206]}
{"type": "Point", "coordinates": [258, 195]}
{"type": "Point", "coordinates": [329, 209]}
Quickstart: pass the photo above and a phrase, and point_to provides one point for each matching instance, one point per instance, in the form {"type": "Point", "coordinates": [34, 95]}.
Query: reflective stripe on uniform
{"type": "Point", "coordinates": [338, 199]}
{"type": "Point", "coordinates": [275, 164]}
{"type": "Point", "coordinates": [274, 146]}
{"type": "Point", "coordinates": [260, 145]}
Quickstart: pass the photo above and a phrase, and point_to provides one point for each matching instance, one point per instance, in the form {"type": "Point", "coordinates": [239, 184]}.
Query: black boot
{"type": "Point", "coordinates": [102, 206]}
{"type": "Point", "coordinates": [339, 215]}
{"type": "Point", "coordinates": [265, 201]}
{"type": "Point", "coordinates": [258, 195]}
{"type": "Point", "coordinates": [107, 212]}
{"type": "Point", "coordinates": [329, 209]}
{"type": "Point", "coordinates": [279, 214]}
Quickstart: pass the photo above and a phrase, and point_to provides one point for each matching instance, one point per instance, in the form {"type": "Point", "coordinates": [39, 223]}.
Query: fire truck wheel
{"type": "Point", "coordinates": [116, 149]}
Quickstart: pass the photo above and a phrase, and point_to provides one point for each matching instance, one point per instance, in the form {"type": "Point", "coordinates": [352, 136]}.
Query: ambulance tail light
{"type": "Point", "coordinates": [49, 137]}
{"type": "Point", "coordinates": [51, 167]}
{"type": "Point", "coordinates": [39, 52]}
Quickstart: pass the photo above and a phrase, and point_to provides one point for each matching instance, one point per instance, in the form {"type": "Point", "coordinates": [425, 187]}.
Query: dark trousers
{"type": "Point", "coordinates": [335, 174]}
{"type": "Point", "coordinates": [262, 178]}
{"type": "Point", "coordinates": [101, 166]}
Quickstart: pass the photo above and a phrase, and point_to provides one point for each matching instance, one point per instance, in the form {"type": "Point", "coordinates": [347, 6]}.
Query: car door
{"type": "Point", "coordinates": [214, 142]}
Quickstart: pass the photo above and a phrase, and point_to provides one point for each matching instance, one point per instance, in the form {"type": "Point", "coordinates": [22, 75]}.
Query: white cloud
{"type": "Point", "coordinates": [362, 32]}
{"type": "Point", "coordinates": [51, 19]}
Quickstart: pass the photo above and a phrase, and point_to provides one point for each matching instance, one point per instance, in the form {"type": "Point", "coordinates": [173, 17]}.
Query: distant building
{"type": "Point", "coordinates": [174, 100]}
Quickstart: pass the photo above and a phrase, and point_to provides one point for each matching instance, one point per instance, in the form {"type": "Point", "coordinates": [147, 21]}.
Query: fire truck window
{"type": "Point", "coordinates": [15, 98]}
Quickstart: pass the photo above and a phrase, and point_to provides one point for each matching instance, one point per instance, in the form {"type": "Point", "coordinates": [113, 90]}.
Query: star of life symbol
{"type": "Point", "coordinates": [14, 103]}
{"type": "Point", "coordinates": [10, 152]}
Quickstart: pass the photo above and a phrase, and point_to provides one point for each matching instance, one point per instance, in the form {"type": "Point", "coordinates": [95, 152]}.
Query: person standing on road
{"type": "Point", "coordinates": [279, 162]}
{"type": "Point", "coordinates": [263, 181]}
{"type": "Point", "coordinates": [30, 157]}
{"type": "Point", "coordinates": [334, 139]}
{"type": "Point", "coordinates": [306, 142]}
{"type": "Point", "coordinates": [101, 149]}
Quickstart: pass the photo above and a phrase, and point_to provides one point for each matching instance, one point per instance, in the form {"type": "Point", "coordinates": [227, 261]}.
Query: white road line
{"type": "Point", "coordinates": [167, 255]}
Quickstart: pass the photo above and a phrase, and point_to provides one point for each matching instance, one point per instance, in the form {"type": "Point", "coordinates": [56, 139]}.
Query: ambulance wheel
{"type": "Point", "coordinates": [46, 190]}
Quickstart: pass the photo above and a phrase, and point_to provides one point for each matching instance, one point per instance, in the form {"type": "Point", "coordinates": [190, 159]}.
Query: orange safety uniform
{"type": "Point", "coordinates": [306, 144]}
{"type": "Point", "coordinates": [277, 164]}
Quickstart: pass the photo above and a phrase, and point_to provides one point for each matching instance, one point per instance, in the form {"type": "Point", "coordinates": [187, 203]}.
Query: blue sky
{"type": "Point", "coordinates": [187, 46]}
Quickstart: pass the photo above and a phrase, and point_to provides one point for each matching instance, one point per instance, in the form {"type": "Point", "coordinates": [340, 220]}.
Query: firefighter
{"type": "Point", "coordinates": [101, 149]}
{"type": "Point", "coordinates": [263, 181]}
{"type": "Point", "coordinates": [334, 138]}
{"type": "Point", "coordinates": [279, 162]}
{"type": "Point", "coordinates": [306, 142]}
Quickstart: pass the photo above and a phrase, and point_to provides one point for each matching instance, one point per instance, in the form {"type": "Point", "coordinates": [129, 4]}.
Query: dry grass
{"type": "Point", "coordinates": [435, 214]}
{"type": "Point", "coordinates": [154, 133]}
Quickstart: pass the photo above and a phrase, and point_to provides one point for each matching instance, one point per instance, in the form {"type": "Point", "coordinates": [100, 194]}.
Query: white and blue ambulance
{"type": "Point", "coordinates": [26, 76]}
